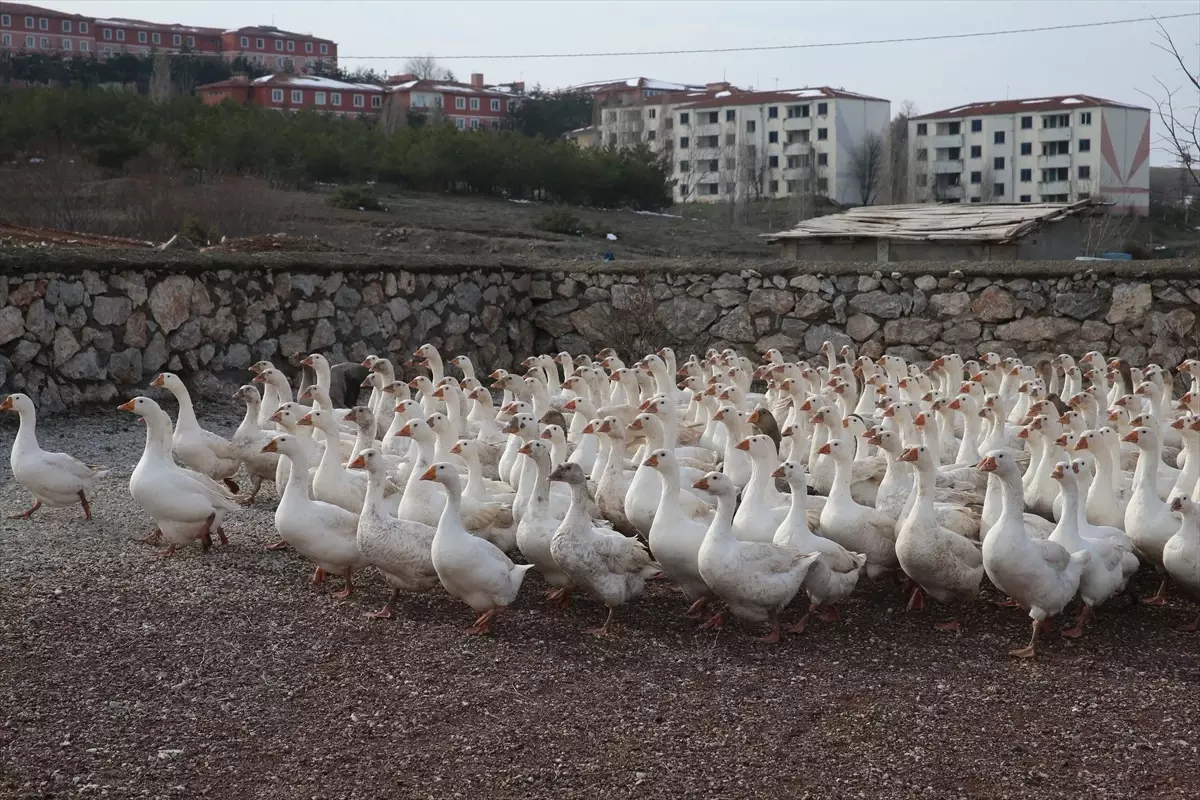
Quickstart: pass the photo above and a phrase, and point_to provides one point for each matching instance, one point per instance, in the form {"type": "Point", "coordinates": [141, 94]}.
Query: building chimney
{"type": "Point", "coordinates": [477, 79]}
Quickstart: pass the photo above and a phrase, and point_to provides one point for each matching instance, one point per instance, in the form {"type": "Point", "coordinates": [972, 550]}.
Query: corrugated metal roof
{"type": "Point", "coordinates": [928, 222]}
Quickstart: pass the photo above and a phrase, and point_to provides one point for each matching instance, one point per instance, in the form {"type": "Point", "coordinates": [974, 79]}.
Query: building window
{"type": "Point", "coordinates": [335, 98]}
{"type": "Point", "coordinates": [772, 137]}
{"type": "Point", "coordinates": [684, 166]}
{"type": "Point", "coordinates": [1026, 175]}
{"type": "Point", "coordinates": [279, 45]}
{"type": "Point", "coordinates": [176, 40]}
{"type": "Point", "coordinates": [651, 135]}
{"type": "Point", "coordinates": [461, 124]}
{"type": "Point", "coordinates": [359, 102]}
{"type": "Point", "coordinates": [474, 103]}
{"type": "Point", "coordinates": [245, 42]}
{"type": "Point", "coordinates": [1085, 145]}
{"type": "Point", "coordinates": [998, 189]}
{"type": "Point", "coordinates": [730, 115]}
{"type": "Point", "coordinates": [1085, 118]}
{"type": "Point", "coordinates": [922, 154]}
{"type": "Point", "coordinates": [998, 162]}
{"type": "Point", "coordinates": [495, 105]}
{"type": "Point", "coordinates": [713, 117]}
{"type": "Point", "coordinates": [713, 165]}
{"type": "Point", "coordinates": [683, 143]}
{"type": "Point", "coordinates": [772, 112]}
{"type": "Point", "coordinates": [709, 189]}
{"type": "Point", "coordinates": [66, 26]}
{"type": "Point", "coordinates": [683, 118]}
{"type": "Point", "coordinates": [83, 27]}
{"type": "Point", "coordinates": [44, 24]}
{"type": "Point", "coordinates": [773, 161]}
{"type": "Point", "coordinates": [1026, 148]}
{"type": "Point", "coordinates": [155, 38]}
{"type": "Point", "coordinates": [260, 43]}
{"type": "Point", "coordinates": [822, 134]}
{"type": "Point", "coordinates": [795, 162]}
{"type": "Point", "coordinates": [730, 139]}
{"type": "Point", "coordinates": [279, 61]}
{"type": "Point", "coordinates": [141, 37]}
{"type": "Point", "coordinates": [474, 122]}
{"type": "Point", "coordinates": [1085, 173]}
{"type": "Point", "coordinates": [998, 137]}
{"type": "Point", "coordinates": [1084, 195]}
{"type": "Point", "coordinates": [191, 41]}
{"type": "Point", "coordinates": [495, 124]}
{"type": "Point", "coordinates": [652, 113]}
{"type": "Point", "coordinates": [29, 42]}
{"type": "Point", "coordinates": [1056, 148]}
{"type": "Point", "coordinates": [460, 103]}
{"type": "Point", "coordinates": [29, 22]}
{"type": "Point", "coordinates": [319, 98]}
{"type": "Point", "coordinates": [976, 177]}
{"type": "Point", "coordinates": [66, 44]}
{"type": "Point", "coordinates": [377, 102]}
{"type": "Point", "coordinates": [822, 109]}
{"type": "Point", "coordinates": [976, 125]}
{"type": "Point", "coordinates": [774, 187]}
{"type": "Point", "coordinates": [750, 126]}
{"type": "Point", "coordinates": [5, 20]}
{"type": "Point", "coordinates": [324, 49]}
{"type": "Point", "coordinates": [108, 34]}
{"type": "Point", "coordinates": [730, 163]}
{"type": "Point", "coordinates": [277, 95]}
{"type": "Point", "coordinates": [975, 200]}
{"type": "Point", "coordinates": [797, 111]}
{"type": "Point", "coordinates": [822, 184]}
{"type": "Point", "coordinates": [922, 128]}
{"type": "Point", "coordinates": [120, 34]}
{"type": "Point", "coordinates": [1026, 123]}
{"type": "Point", "coordinates": [1026, 198]}
{"type": "Point", "coordinates": [976, 151]}
{"type": "Point", "coordinates": [291, 46]}
{"type": "Point", "coordinates": [298, 96]}
{"type": "Point", "coordinates": [45, 42]}
{"type": "Point", "coordinates": [308, 48]}
{"type": "Point", "coordinates": [822, 159]}
{"type": "Point", "coordinates": [83, 46]}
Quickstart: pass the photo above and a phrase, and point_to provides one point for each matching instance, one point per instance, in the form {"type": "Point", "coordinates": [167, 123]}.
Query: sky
{"type": "Point", "coordinates": [1117, 62]}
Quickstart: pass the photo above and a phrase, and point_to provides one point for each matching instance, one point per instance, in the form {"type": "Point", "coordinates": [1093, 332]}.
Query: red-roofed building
{"type": "Point", "coordinates": [119, 35]}
{"type": "Point", "coordinates": [1057, 149]}
{"type": "Point", "coordinates": [273, 48]}
{"type": "Point", "coordinates": [468, 106]}
{"type": "Point", "coordinates": [288, 92]}
{"type": "Point", "coordinates": [32, 29]}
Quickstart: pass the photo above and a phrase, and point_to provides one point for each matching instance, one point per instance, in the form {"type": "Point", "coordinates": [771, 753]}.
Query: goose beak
{"type": "Point", "coordinates": [545, 434]}
{"type": "Point", "coordinates": [271, 447]}
{"type": "Point", "coordinates": [1178, 425]}
{"type": "Point", "coordinates": [305, 420]}
{"type": "Point", "coordinates": [1023, 433]}
{"type": "Point", "coordinates": [589, 428]}
{"type": "Point", "coordinates": [754, 417]}
{"type": "Point", "coordinates": [405, 431]}
{"type": "Point", "coordinates": [158, 381]}
{"type": "Point", "coordinates": [351, 416]}
{"type": "Point", "coordinates": [1082, 444]}
{"type": "Point", "coordinates": [778, 473]}
{"type": "Point", "coordinates": [276, 417]}
{"type": "Point", "coordinates": [909, 455]}
{"type": "Point", "coordinates": [825, 450]}
{"type": "Point", "coordinates": [1177, 504]}
{"type": "Point", "coordinates": [701, 484]}
{"type": "Point", "coordinates": [526, 450]}
{"type": "Point", "coordinates": [955, 404]}
{"type": "Point", "coordinates": [988, 464]}
{"type": "Point", "coordinates": [512, 427]}
{"type": "Point", "coordinates": [1057, 473]}
{"type": "Point", "coordinates": [652, 461]}
{"type": "Point", "coordinates": [636, 425]}
{"type": "Point", "coordinates": [7, 405]}
{"type": "Point", "coordinates": [366, 383]}
{"type": "Point", "coordinates": [1132, 436]}
{"type": "Point", "coordinates": [744, 444]}
{"type": "Point", "coordinates": [258, 378]}
{"type": "Point", "coordinates": [359, 462]}
{"type": "Point", "coordinates": [1061, 441]}
{"type": "Point", "coordinates": [605, 427]}
{"type": "Point", "coordinates": [429, 474]}
{"type": "Point", "coordinates": [308, 361]}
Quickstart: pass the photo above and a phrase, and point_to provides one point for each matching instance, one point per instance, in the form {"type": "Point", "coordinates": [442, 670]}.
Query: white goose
{"type": "Point", "coordinates": [248, 441]}
{"type": "Point", "coordinates": [1181, 556]}
{"type": "Point", "coordinates": [856, 527]}
{"type": "Point", "coordinates": [54, 479]}
{"type": "Point", "coordinates": [199, 449]}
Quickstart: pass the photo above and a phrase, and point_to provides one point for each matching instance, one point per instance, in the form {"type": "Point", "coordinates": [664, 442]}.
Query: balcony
{"type": "Point", "coordinates": [947, 192]}
{"type": "Point", "coordinates": [797, 123]}
{"type": "Point", "coordinates": [1053, 162]}
{"type": "Point", "coordinates": [1053, 134]}
{"type": "Point", "coordinates": [948, 166]}
{"type": "Point", "coordinates": [797, 146]}
{"type": "Point", "coordinates": [1054, 187]}
{"type": "Point", "coordinates": [945, 140]}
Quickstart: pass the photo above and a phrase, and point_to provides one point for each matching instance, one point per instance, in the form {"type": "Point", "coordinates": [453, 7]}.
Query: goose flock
{"type": "Point", "coordinates": [744, 484]}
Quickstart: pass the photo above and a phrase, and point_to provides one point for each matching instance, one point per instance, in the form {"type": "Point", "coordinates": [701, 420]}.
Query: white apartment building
{"type": "Point", "coordinates": [728, 144]}
{"type": "Point", "coordinates": [1040, 150]}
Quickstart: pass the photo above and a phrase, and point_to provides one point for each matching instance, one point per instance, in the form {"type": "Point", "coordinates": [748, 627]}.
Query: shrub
{"type": "Point", "coordinates": [561, 220]}
{"type": "Point", "coordinates": [357, 198]}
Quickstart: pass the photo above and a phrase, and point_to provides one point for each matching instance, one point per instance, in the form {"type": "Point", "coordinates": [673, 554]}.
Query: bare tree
{"type": "Point", "coordinates": [867, 162]}
{"type": "Point", "coordinates": [898, 181]}
{"type": "Point", "coordinates": [1106, 229]}
{"type": "Point", "coordinates": [808, 188]}
{"type": "Point", "coordinates": [427, 68]}
{"type": "Point", "coordinates": [1178, 110]}
{"type": "Point", "coordinates": [160, 79]}
{"type": "Point", "coordinates": [987, 186]}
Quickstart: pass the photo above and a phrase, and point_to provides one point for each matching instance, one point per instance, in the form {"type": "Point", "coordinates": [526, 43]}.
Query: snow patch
{"type": "Point", "coordinates": [658, 214]}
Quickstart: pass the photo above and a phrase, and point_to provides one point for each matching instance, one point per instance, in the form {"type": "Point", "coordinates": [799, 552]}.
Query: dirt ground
{"type": "Point", "coordinates": [226, 675]}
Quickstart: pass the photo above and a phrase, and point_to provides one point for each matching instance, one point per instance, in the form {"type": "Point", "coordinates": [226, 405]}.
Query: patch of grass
{"type": "Point", "coordinates": [357, 198]}
{"type": "Point", "coordinates": [561, 220]}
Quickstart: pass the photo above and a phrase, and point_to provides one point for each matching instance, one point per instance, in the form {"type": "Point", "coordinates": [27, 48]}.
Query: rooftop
{"type": "Point", "coordinates": [172, 26]}
{"type": "Point", "coordinates": [737, 97]}
{"type": "Point", "coordinates": [1058, 102]}
{"type": "Point", "coordinates": [635, 83]}
{"type": "Point", "coordinates": [271, 30]}
{"type": "Point", "coordinates": [284, 79]}
{"type": "Point", "coordinates": [928, 222]}
{"type": "Point", "coordinates": [453, 87]}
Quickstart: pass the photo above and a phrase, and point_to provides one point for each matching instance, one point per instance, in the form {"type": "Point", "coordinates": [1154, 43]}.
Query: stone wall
{"type": "Point", "coordinates": [72, 334]}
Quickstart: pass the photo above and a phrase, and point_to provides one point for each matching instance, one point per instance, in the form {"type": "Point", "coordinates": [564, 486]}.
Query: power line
{"type": "Point", "coordinates": [809, 46]}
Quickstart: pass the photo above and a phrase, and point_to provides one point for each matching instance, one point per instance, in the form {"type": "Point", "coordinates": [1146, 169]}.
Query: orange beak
{"type": "Point", "coordinates": [457, 449]}
{"type": "Point", "coordinates": [359, 462]}
{"type": "Point", "coordinates": [652, 461]}
{"type": "Point", "coordinates": [875, 440]}
{"type": "Point", "coordinates": [271, 447]}
{"type": "Point", "coordinates": [955, 404]}
{"type": "Point", "coordinates": [589, 428]}
{"type": "Point", "coordinates": [367, 362]}
{"type": "Point", "coordinates": [988, 464]}
{"type": "Point", "coordinates": [1057, 473]}
{"type": "Point", "coordinates": [744, 444]}
{"type": "Point", "coordinates": [1082, 444]}
{"type": "Point", "coordinates": [429, 474]}
{"type": "Point", "coordinates": [7, 404]}
{"type": "Point", "coordinates": [526, 450]}
{"type": "Point", "coordinates": [909, 455]}
{"type": "Point", "coordinates": [636, 425]}
{"type": "Point", "coordinates": [158, 381]}
{"type": "Point", "coordinates": [276, 417]}
{"type": "Point", "coordinates": [1177, 504]}
{"type": "Point", "coordinates": [258, 378]}
{"type": "Point", "coordinates": [308, 362]}
{"type": "Point", "coordinates": [1132, 436]}
{"type": "Point", "coordinates": [545, 434]}
{"type": "Point", "coordinates": [825, 450]}
{"type": "Point", "coordinates": [1061, 441]}
{"type": "Point", "coordinates": [350, 416]}
{"type": "Point", "coordinates": [701, 484]}
{"type": "Point", "coordinates": [569, 406]}
{"type": "Point", "coordinates": [605, 427]}
{"type": "Point", "coordinates": [439, 392]}
{"type": "Point", "coordinates": [405, 431]}
{"type": "Point", "coordinates": [305, 420]}
{"type": "Point", "coordinates": [755, 416]}
{"type": "Point", "coordinates": [920, 419]}
{"type": "Point", "coordinates": [1023, 433]}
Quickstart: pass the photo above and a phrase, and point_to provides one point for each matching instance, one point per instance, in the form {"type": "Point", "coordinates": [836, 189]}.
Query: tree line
{"type": "Point", "coordinates": [116, 131]}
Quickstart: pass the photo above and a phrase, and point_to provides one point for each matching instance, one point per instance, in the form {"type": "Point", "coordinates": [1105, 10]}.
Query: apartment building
{"type": "Point", "coordinates": [629, 91]}
{"type": "Point", "coordinates": [289, 92]}
{"type": "Point", "coordinates": [468, 106]}
{"type": "Point", "coordinates": [726, 144]}
{"type": "Point", "coordinates": [273, 48]}
{"type": "Point", "coordinates": [31, 29]}
{"type": "Point", "coordinates": [1039, 150]}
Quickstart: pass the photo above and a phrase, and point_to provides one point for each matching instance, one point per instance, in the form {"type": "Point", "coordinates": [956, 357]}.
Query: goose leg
{"type": "Point", "coordinates": [278, 544]}
{"type": "Point", "coordinates": [151, 538]}
{"type": "Point", "coordinates": [716, 621]}
{"type": "Point", "coordinates": [1007, 602]}
{"type": "Point", "coordinates": [773, 636]}
{"type": "Point", "coordinates": [27, 514]}
{"type": "Point", "coordinates": [254, 487]}
{"type": "Point", "coordinates": [1160, 597]}
{"type": "Point", "coordinates": [1085, 615]}
{"type": "Point", "coordinates": [697, 608]}
{"type": "Point", "coordinates": [87, 508]}
{"type": "Point", "coordinates": [481, 625]}
{"type": "Point", "coordinates": [831, 614]}
{"type": "Point", "coordinates": [349, 590]}
{"type": "Point", "coordinates": [1193, 627]}
{"type": "Point", "coordinates": [386, 611]}
{"type": "Point", "coordinates": [916, 601]}
{"type": "Point", "coordinates": [1028, 651]}
{"type": "Point", "coordinates": [170, 551]}
{"type": "Point", "coordinates": [318, 577]}
{"type": "Point", "coordinates": [603, 629]}
{"type": "Point", "coordinates": [799, 625]}
{"type": "Point", "coordinates": [560, 598]}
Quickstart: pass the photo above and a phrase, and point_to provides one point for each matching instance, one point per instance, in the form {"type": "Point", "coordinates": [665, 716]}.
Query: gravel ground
{"type": "Point", "coordinates": [227, 675]}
